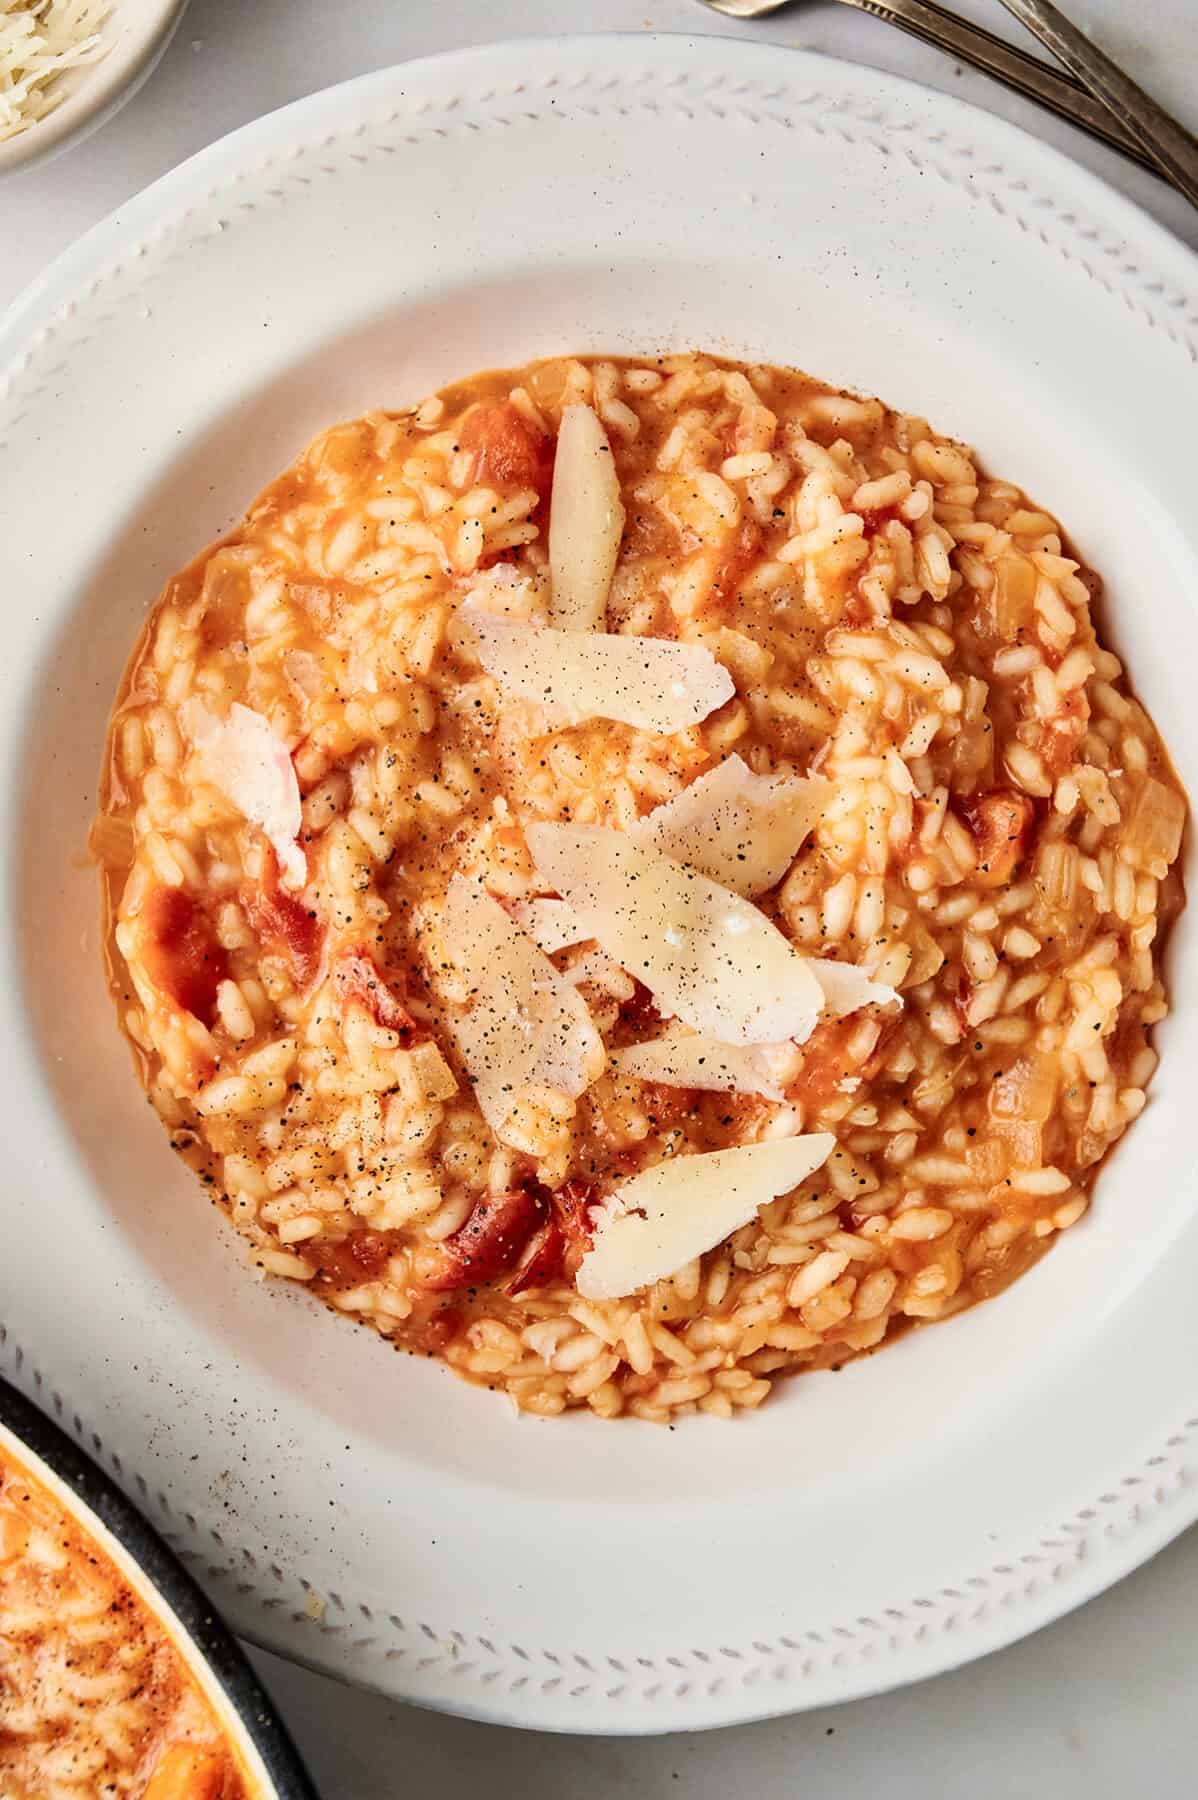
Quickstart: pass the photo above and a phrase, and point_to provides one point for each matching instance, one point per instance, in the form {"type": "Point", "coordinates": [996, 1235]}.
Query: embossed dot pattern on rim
{"type": "Point", "coordinates": [501, 1654]}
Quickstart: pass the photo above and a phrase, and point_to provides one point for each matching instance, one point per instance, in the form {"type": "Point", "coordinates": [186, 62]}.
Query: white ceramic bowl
{"type": "Point", "coordinates": [366, 1511]}
{"type": "Point", "coordinates": [136, 34]}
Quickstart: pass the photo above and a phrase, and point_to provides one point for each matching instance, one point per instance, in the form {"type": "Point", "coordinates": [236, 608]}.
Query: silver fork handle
{"type": "Point", "coordinates": [1169, 144]}
{"type": "Point", "coordinates": [1026, 74]}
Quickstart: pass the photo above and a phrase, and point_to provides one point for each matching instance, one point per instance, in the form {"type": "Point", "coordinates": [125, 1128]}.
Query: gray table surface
{"type": "Point", "coordinates": [1101, 1704]}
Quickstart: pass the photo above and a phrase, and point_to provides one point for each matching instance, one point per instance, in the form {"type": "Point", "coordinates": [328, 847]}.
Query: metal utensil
{"type": "Point", "coordinates": [1168, 143]}
{"type": "Point", "coordinates": [1060, 92]}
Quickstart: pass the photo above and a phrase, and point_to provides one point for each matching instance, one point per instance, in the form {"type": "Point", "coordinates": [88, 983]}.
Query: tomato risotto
{"type": "Point", "coordinates": [95, 1697]}
{"type": "Point", "coordinates": [635, 877]}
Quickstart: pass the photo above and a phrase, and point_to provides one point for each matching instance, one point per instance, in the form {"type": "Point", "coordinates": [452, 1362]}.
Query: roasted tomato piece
{"type": "Point", "coordinates": [873, 518]}
{"type": "Point", "coordinates": [1001, 823]}
{"type": "Point", "coordinates": [641, 1012]}
{"type": "Point", "coordinates": [962, 1000]}
{"type": "Point", "coordinates": [571, 1207]}
{"type": "Point", "coordinates": [563, 1240]}
{"type": "Point", "coordinates": [740, 554]}
{"type": "Point", "coordinates": [1063, 733]}
{"type": "Point", "coordinates": [188, 1772]}
{"type": "Point", "coordinates": [369, 1249]}
{"type": "Point", "coordinates": [358, 979]}
{"type": "Point", "coordinates": [439, 1329]}
{"type": "Point", "coordinates": [489, 1242]}
{"type": "Point", "coordinates": [508, 450]}
{"type": "Point", "coordinates": [542, 1261]}
{"type": "Point", "coordinates": [346, 1261]}
{"type": "Point", "coordinates": [180, 952]}
{"type": "Point", "coordinates": [282, 922]}
{"type": "Point", "coordinates": [827, 1064]}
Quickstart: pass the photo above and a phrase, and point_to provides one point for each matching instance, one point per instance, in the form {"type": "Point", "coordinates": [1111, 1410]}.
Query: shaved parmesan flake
{"type": "Point", "coordinates": [742, 829]}
{"type": "Point", "coordinates": [708, 956]}
{"type": "Point", "coordinates": [550, 923]}
{"type": "Point", "coordinates": [846, 987]}
{"type": "Point", "coordinates": [685, 1059]}
{"type": "Point", "coordinates": [252, 767]}
{"type": "Point", "coordinates": [660, 1220]}
{"type": "Point", "coordinates": [552, 927]}
{"type": "Point", "coordinates": [650, 683]}
{"type": "Point", "coordinates": [586, 522]}
{"type": "Point", "coordinates": [524, 1024]}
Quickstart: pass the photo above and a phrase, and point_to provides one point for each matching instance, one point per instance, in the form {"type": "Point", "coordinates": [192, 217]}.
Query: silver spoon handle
{"type": "Point", "coordinates": [1169, 144]}
{"type": "Point", "coordinates": [1026, 74]}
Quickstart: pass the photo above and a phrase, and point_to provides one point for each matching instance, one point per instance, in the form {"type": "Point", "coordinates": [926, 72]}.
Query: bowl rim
{"type": "Point", "coordinates": [97, 1500]}
{"type": "Point", "coordinates": [104, 88]}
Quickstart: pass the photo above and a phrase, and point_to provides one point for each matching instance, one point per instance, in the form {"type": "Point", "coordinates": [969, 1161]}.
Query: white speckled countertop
{"type": "Point", "coordinates": [1098, 1705]}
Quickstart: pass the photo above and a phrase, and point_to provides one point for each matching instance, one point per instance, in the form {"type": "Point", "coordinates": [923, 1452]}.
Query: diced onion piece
{"type": "Point", "coordinates": [550, 923]}
{"type": "Point", "coordinates": [686, 1059]}
{"type": "Point", "coordinates": [708, 956]}
{"type": "Point", "coordinates": [742, 829]}
{"type": "Point", "coordinates": [1025, 1092]}
{"type": "Point", "coordinates": [524, 1024]}
{"type": "Point", "coordinates": [586, 522]}
{"type": "Point", "coordinates": [1157, 821]}
{"type": "Point", "coordinates": [252, 767]}
{"type": "Point", "coordinates": [651, 683]}
{"type": "Point", "coordinates": [305, 672]}
{"type": "Point", "coordinates": [660, 1220]}
{"type": "Point", "coordinates": [1057, 874]}
{"type": "Point", "coordinates": [846, 987]}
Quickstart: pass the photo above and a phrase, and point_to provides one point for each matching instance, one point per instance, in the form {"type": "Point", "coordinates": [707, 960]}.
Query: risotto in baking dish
{"type": "Point", "coordinates": [636, 877]}
{"type": "Point", "coordinates": [95, 1698]}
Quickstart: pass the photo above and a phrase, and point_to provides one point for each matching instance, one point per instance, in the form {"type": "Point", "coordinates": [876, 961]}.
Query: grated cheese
{"type": "Point", "coordinates": [39, 40]}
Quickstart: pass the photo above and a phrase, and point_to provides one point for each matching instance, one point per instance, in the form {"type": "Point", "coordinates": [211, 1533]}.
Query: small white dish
{"type": "Point", "coordinates": [366, 1512]}
{"type": "Point", "coordinates": [135, 34]}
